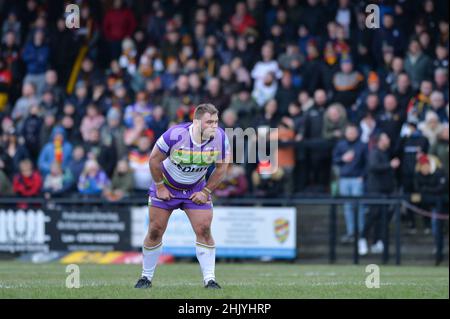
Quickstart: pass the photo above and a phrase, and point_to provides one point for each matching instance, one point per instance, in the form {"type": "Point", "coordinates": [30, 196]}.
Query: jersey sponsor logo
{"type": "Point", "coordinates": [191, 169]}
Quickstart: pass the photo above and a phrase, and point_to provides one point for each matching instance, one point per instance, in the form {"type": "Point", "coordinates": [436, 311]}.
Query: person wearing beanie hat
{"type": "Point", "coordinates": [372, 78]}
{"type": "Point", "coordinates": [346, 83]}
{"type": "Point", "coordinates": [423, 160]}
{"type": "Point", "coordinates": [429, 181]}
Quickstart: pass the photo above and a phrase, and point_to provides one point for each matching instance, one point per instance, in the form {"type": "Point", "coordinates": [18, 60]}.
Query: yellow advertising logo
{"type": "Point", "coordinates": [281, 227]}
{"type": "Point", "coordinates": [90, 257]}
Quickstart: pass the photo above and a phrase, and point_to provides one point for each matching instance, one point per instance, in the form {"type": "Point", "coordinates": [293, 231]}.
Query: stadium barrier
{"type": "Point", "coordinates": [63, 213]}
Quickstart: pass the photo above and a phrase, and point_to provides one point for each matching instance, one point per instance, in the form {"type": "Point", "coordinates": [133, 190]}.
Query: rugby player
{"type": "Point", "coordinates": [178, 164]}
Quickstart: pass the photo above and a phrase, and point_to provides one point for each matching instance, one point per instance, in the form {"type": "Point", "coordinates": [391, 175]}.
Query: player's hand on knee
{"type": "Point", "coordinates": [199, 198]}
{"type": "Point", "coordinates": [163, 193]}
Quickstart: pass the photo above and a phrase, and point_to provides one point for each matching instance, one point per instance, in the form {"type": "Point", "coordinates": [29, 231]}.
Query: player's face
{"type": "Point", "coordinates": [209, 123]}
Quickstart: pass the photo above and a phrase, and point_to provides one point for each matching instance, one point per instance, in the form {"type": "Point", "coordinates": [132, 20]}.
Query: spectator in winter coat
{"type": "Point", "coordinates": [241, 20]}
{"type": "Point", "coordinates": [105, 155]}
{"type": "Point", "coordinates": [431, 127]}
{"type": "Point", "coordinates": [417, 64]}
{"type": "Point", "coordinates": [437, 105]}
{"type": "Point", "coordinates": [122, 183]}
{"type": "Point", "coordinates": [440, 149]}
{"type": "Point", "coordinates": [5, 84]}
{"type": "Point", "coordinates": [14, 152]}
{"type": "Point", "coordinates": [6, 188]}
{"type": "Point", "coordinates": [408, 149]}
{"type": "Point", "coordinates": [56, 150]}
{"type": "Point", "coordinates": [390, 119]}
{"type": "Point", "coordinates": [267, 65]}
{"type": "Point", "coordinates": [28, 182]}
{"type": "Point", "coordinates": [429, 180]}
{"type": "Point", "coordinates": [318, 155]}
{"type": "Point", "coordinates": [346, 84]}
{"type": "Point", "coordinates": [30, 132]}
{"type": "Point", "coordinates": [57, 182]}
{"type": "Point", "coordinates": [93, 120]}
{"type": "Point", "coordinates": [266, 90]}
{"type": "Point", "coordinates": [93, 179]}
{"type": "Point", "coordinates": [138, 159]}
{"type": "Point", "coordinates": [420, 103]}
{"type": "Point", "coordinates": [334, 122]}
{"type": "Point", "coordinates": [119, 22]}
{"type": "Point", "coordinates": [244, 106]}
{"type": "Point", "coordinates": [24, 103]}
{"type": "Point", "coordinates": [350, 156]}
{"type": "Point", "coordinates": [77, 162]}
{"type": "Point", "coordinates": [36, 55]}
{"type": "Point", "coordinates": [380, 181]}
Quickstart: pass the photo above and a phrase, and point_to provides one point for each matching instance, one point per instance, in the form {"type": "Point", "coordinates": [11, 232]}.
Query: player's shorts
{"type": "Point", "coordinates": [180, 198]}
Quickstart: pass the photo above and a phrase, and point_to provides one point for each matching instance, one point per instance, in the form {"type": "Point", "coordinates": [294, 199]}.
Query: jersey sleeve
{"type": "Point", "coordinates": [162, 144]}
{"type": "Point", "coordinates": [225, 150]}
{"type": "Point", "coordinates": [166, 141]}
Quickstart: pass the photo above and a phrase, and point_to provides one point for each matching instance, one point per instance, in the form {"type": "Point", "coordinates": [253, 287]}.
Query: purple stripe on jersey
{"type": "Point", "coordinates": [222, 138]}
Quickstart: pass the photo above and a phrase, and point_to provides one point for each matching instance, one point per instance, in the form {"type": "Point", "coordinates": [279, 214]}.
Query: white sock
{"type": "Point", "coordinates": [206, 256]}
{"type": "Point", "coordinates": [150, 256]}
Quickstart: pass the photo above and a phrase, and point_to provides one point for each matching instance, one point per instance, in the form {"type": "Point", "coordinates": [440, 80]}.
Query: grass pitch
{"type": "Point", "coordinates": [183, 281]}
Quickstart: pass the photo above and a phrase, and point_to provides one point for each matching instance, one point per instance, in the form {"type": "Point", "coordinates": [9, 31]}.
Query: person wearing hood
{"type": "Point", "coordinates": [57, 149]}
{"type": "Point", "coordinates": [31, 130]}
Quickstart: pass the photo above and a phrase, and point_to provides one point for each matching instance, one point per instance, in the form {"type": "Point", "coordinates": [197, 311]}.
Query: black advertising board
{"type": "Point", "coordinates": [42, 230]}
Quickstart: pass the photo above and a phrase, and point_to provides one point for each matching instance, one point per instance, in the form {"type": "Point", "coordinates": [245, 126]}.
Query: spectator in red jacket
{"type": "Point", "coordinates": [241, 20]}
{"type": "Point", "coordinates": [28, 182]}
{"type": "Point", "coordinates": [119, 23]}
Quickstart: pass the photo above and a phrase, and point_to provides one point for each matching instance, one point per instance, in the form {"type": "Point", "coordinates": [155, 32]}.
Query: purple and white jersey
{"type": "Point", "coordinates": [187, 161]}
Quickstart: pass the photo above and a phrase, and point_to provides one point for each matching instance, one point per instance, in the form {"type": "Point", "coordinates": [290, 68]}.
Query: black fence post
{"type": "Point", "coordinates": [385, 223]}
{"type": "Point", "coordinates": [439, 238]}
{"type": "Point", "coordinates": [355, 208]}
{"type": "Point", "coordinates": [398, 246]}
{"type": "Point", "coordinates": [332, 238]}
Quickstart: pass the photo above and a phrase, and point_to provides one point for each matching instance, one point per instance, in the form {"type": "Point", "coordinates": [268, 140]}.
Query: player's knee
{"type": "Point", "coordinates": [204, 231]}
{"type": "Point", "coordinates": [155, 232]}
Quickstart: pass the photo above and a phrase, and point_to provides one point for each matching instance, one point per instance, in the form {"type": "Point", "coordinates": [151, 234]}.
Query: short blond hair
{"type": "Point", "coordinates": [204, 108]}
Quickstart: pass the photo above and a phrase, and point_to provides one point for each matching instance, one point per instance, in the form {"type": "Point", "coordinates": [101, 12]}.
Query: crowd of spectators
{"type": "Point", "coordinates": [356, 107]}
